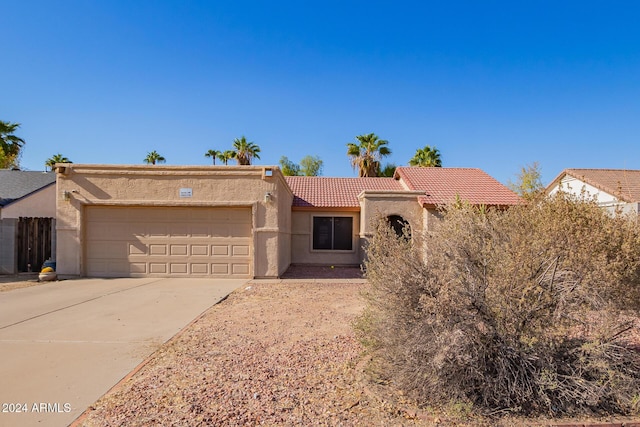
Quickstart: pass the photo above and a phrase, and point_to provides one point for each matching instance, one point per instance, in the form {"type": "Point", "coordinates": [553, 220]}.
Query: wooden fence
{"type": "Point", "coordinates": [34, 243]}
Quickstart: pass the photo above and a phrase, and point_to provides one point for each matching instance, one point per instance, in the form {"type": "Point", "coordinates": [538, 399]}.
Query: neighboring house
{"type": "Point", "coordinates": [613, 189]}
{"type": "Point", "coordinates": [27, 212]}
{"type": "Point", "coordinates": [240, 221]}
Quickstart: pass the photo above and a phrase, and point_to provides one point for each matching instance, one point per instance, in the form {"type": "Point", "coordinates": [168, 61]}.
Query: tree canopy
{"type": "Point", "coordinates": [528, 183]}
{"type": "Point", "coordinates": [426, 157]}
{"type": "Point", "coordinates": [309, 166]}
{"type": "Point", "coordinates": [388, 170]}
{"type": "Point", "coordinates": [10, 145]}
{"type": "Point", "coordinates": [213, 154]}
{"type": "Point", "coordinates": [56, 158]}
{"type": "Point", "coordinates": [288, 167]}
{"type": "Point", "coordinates": [245, 150]}
{"type": "Point", "coordinates": [153, 158]}
{"type": "Point", "coordinates": [366, 154]}
{"type": "Point", "coordinates": [226, 155]}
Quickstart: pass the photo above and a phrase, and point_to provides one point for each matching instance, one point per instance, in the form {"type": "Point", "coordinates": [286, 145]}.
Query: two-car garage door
{"type": "Point", "coordinates": [168, 241]}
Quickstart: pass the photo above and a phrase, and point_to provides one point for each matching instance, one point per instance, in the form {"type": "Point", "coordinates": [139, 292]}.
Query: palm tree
{"type": "Point", "coordinates": [10, 145]}
{"type": "Point", "coordinates": [56, 158]}
{"type": "Point", "coordinates": [245, 150]}
{"type": "Point", "coordinates": [213, 154]}
{"type": "Point", "coordinates": [426, 157]}
{"type": "Point", "coordinates": [226, 155]}
{"type": "Point", "coordinates": [153, 158]}
{"type": "Point", "coordinates": [388, 170]}
{"type": "Point", "coordinates": [367, 153]}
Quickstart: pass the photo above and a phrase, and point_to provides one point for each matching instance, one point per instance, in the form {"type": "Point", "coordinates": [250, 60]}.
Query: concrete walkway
{"type": "Point", "coordinates": [64, 344]}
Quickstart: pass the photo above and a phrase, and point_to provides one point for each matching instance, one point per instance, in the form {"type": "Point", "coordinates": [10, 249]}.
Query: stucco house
{"type": "Point", "coordinates": [27, 225]}
{"type": "Point", "coordinates": [613, 189]}
{"type": "Point", "coordinates": [239, 221]}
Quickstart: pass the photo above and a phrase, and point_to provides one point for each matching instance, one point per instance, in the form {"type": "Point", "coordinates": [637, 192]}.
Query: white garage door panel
{"type": "Point", "coordinates": [162, 241]}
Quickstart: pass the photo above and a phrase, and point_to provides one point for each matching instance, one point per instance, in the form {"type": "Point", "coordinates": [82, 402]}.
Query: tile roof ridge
{"type": "Point", "coordinates": [603, 169]}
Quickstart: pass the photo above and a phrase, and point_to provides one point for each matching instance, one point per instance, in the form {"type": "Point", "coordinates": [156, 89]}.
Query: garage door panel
{"type": "Point", "coordinates": [157, 230]}
{"type": "Point", "coordinates": [108, 231]}
{"type": "Point", "coordinates": [157, 249]}
{"type": "Point", "coordinates": [201, 231]}
{"type": "Point", "coordinates": [127, 241]}
{"type": "Point", "coordinates": [200, 268]}
{"type": "Point", "coordinates": [108, 250]}
{"type": "Point", "coordinates": [179, 230]}
{"type": "Point", "coordinates": [98, 267]}
{"type": "Point", "coordinates": [240, 250]}
{"type": "Point", "coordinates": [119, 267]}
{"type": "Point", "coordinates": [179, 267]}
{"type": "Point", "coordinates": [199, 250]}
{"type": "Point", "coordinates": [220, 269]}
{"type": "Point", "coordinates": [220, 231]}
{"type": "Point", "coordinates": [157, 268]}
{"type": "Point", "coordinates": [220, 250]}
{"type": "Point", "coordinates": [240, 269]}
{"type": "Point", "coordinates": [138, 268]}
{"type": "Point", "coordinates": [179, 249]}
{"type": "Point", "coordinates": [240, 230]}
{"type": "Point", "coordinates": [137, 248]}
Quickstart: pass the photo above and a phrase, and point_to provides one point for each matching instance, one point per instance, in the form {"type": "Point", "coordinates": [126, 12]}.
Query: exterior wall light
{"type": "Point", "coordinates": [66, 194]}
{"type": "Point", "coordinates": [268, 197]}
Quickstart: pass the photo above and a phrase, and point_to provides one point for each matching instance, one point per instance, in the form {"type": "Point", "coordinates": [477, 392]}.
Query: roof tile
{"type": "Point", "coordinates": [443, 185]}
{"type": "Point", "coordinates": [324, 192]}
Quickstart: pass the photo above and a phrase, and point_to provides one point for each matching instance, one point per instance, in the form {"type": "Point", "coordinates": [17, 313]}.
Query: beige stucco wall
{"type": "Point", "coordinates": [212, 186]}
{"type": "Point", "coordinates": [302, 251]}
{"type": "Point", "coordinates": [431, 217]}
{"type": "Point", "coordinates": [39, 204]}
{"type": "Point", "coordinates": [376, 204]}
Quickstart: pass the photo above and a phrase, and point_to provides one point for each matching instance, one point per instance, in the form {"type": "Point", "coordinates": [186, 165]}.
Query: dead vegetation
{"type": "Point", "coordinates": [526, 311]}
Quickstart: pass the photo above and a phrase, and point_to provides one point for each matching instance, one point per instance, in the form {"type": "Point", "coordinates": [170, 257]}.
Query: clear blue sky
{"type": "Point", "coordinates": [492, 84]}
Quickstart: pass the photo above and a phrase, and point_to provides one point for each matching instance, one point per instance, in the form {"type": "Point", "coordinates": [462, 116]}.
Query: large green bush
{"type": "Point", "coordinates": [526, 310]}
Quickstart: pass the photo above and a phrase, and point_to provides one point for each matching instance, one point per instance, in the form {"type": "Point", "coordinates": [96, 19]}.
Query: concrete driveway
{"type": "Point", "coordinates": [64, 344]}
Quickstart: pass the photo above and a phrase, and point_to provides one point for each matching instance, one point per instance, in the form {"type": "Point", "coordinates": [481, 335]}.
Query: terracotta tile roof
{"type": "Point", "coordinates": [318, 191]}
{"type": "Point", "coordinates": [442, 185]}
{"type": "Point", "coordinates": [622, 183]}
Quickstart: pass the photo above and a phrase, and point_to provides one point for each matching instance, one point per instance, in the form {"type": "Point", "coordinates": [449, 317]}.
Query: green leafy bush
{"type": "Point", "coordinates": [527, 310]}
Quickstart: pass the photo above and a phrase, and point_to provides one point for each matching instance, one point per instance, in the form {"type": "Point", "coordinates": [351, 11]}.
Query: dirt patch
{"type": "Point", "coordinates": [8, 283]}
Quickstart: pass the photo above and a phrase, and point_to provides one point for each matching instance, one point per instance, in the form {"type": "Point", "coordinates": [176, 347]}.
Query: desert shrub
{"type": "Point", "coordinates": [526, 310]}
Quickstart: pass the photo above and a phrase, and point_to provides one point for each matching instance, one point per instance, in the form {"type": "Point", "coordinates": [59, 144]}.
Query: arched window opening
{"type": "Point", "coordinates": [400, 226]}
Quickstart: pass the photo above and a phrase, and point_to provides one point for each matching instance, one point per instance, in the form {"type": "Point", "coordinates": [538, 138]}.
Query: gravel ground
{"type": "Point", "coordinates": [271, 354]}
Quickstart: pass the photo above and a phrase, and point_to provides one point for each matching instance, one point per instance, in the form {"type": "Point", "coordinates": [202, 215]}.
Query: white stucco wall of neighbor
{"type": "Point", "coordinates": [201, 189]}
{"type": "Point", "coordinates": [577, 187]}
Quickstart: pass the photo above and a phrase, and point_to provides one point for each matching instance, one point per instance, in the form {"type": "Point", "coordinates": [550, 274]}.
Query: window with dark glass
{"type": "Point", "coordinates": [333, 232]}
